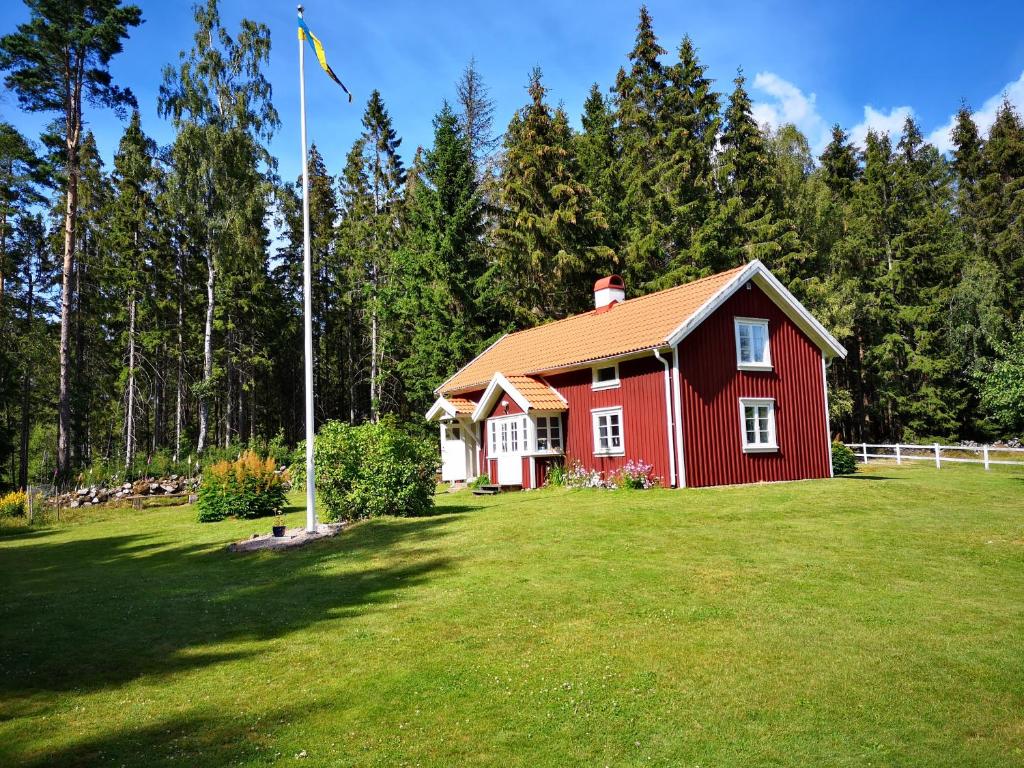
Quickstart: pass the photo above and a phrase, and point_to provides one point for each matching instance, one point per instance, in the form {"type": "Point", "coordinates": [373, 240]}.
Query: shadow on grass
{"type": "Point", "coordinates": [865, 477]}
{"type": "Point", "coordinates": [199, 739]}
{"type": "Point", "coordinates": [92, 613]}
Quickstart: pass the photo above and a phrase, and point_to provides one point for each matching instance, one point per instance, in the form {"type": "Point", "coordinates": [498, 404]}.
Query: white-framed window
{"type": "Point", "coordinates": [503, 429]}
{"type": "Point", "coordinates": [549, 433]}
{"type": "Point", "coordinates": [752, 350]}
{"type": "Point", "coordinates": [513, 429]}
{"type": "Point", "coordinates": [607, 424]}
{"type": "Point", "coordinates": [492, 429]}
{"type": "Point", "coordinates": [757, 424]}
{"type": "Point", "coordinates": [605, 376]}
{"type": "Point", "coordinates": [452, 432]}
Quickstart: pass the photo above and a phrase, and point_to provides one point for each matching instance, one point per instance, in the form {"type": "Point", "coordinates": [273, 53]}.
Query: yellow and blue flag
{"type": "Point", "coordinates": [321, 57]}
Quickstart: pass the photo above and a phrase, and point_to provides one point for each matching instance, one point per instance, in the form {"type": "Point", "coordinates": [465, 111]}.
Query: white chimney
{"type": "Point", "coordinates": [608, 291]}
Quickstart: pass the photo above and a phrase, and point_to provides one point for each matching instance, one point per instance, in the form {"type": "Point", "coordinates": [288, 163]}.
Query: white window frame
{"type": "Point", "coordinates": [766, 364]}
{"type": "Point", "coordinates": [595, 415]}
{"type": "Point", "coordinates": [772, 446]}
{"type": "Point", "coordinates": [610, 384]}
{"type": "Point", "coordinates": [550, 420]}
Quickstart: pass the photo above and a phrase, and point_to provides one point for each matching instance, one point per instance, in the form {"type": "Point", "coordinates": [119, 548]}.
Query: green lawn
{"type": "Point", "coordinates": [875, 620]}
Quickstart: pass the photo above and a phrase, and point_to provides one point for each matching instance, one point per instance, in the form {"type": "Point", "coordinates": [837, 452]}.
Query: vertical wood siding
{"type": "Point", "coordinates": [711, 386]}
{"type": "Point", "coordinates": [641, 394]}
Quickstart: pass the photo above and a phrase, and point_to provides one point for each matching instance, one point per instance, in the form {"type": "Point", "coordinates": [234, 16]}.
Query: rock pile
{"type": "Point", "coordinates": [147, 486]}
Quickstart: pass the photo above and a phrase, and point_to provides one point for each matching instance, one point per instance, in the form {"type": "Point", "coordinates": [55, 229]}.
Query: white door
{"type": "Point", "coordinates": [453, 453]}
{"type": "Point", "coordinates": [509, 442]}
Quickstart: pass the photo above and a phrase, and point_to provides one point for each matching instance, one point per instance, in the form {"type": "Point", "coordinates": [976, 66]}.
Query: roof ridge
{"type": "Point", "coordinates": [620, 303]}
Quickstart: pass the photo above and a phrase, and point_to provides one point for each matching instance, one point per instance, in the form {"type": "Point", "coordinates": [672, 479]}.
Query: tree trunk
{"type": "Point", "coordinates": [26, 381]}
{"type": "Point", "coordinates": [181, 357]}
{"type": "Point", "coordinates": [64, 392]}
{"type": "Point", "coordinates": [129, 419]}
{"type": "Point", "coordinates": [374, 371]}
{"type": "Point", "coordinates": [204, 400]}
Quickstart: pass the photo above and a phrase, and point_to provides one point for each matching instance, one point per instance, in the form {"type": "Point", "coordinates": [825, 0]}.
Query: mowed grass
{"type": "Point", "coordinates": [877, 620]}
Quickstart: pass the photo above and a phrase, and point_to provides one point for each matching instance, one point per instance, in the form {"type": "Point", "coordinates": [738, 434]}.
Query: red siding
{"type": "Point", "coordinates": [710, 388]}
{"type": "Point", "coordinates": [642, 397]}
{"type": "Point", "coordinates": [499, 409]}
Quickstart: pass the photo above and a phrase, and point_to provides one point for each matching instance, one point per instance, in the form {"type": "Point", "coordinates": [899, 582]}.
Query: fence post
{"type": "Point", "coordinates": [864, 451]}
{"type": "Point", "coordinates": [938, 462]}
{"type": "Point", "coordinates": [985, 454]}
{"type": "Point", "coordinates": [899, 456]}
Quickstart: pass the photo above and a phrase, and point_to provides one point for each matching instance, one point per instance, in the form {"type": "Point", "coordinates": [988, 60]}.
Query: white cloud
{"type": "Point", "coordinates": [943, 137]}
{"type": "Point", "coordinates": [890, 123]}
{"type": "Point", "coordinates": [788, 104]}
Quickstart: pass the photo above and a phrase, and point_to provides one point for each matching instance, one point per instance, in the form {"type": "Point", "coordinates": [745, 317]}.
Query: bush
{"type": "Point", "coordinates": [556, 475]}
{"type": "Point", "coordinates": [374, 469]}
{"type": "Point", "coordinates": [248, 487]}
{"type": "Point", "coordinates": [13, 504]}
{"type": "Point", "coordinates": [843, 460]}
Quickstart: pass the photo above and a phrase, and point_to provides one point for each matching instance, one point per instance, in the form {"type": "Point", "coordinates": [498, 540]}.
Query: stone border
{"type": "Point", "coordinates": [293, 537]}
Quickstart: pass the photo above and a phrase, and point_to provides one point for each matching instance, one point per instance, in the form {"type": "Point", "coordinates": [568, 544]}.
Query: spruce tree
{"type": "Point", "coordinates": [440, 264]}
{"type": "Point", "coordinates": [691, 123]}
{"type": "Point", "coordinates": [645, 217]}
{"type": "Point", "coordinates": [755, 228]}
{"type": "Point", "coordinates": [597, 152]}
{"type": "Point", "coordinates": [130, 218]}
{"type": "Point", "coordinates": [550, 240]}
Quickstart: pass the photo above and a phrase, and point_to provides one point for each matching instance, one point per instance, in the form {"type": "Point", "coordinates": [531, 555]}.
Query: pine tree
{"type": "Point", "coordinates": [54, 61]}
{"type": "Point", "coordinates": [551, 239]}
{"type": "Point", "coordinates": [839, 165]}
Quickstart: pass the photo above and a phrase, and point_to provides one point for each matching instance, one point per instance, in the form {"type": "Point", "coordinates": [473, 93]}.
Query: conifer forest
{"type": "Point", "coordinates": [151, 306]}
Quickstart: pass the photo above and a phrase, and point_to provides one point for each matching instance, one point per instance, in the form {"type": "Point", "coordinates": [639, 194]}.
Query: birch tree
{"type": "Point", "coordinates": [220, 103]}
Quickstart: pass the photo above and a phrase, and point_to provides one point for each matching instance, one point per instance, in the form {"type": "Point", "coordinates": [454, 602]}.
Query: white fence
{"type": "Point", "coordinates": [901, 452]}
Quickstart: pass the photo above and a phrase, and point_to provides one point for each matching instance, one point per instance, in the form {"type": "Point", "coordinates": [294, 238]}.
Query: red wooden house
{"type": "Point", "coordinates": [715, 382]}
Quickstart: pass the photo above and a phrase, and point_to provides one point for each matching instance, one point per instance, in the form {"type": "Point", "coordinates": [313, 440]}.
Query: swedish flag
{"type": "Point", "coordinates": [319, 49]}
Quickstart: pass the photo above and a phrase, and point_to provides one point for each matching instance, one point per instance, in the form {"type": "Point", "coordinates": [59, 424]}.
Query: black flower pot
{"type": "Point", "coordinates": [278, 531]}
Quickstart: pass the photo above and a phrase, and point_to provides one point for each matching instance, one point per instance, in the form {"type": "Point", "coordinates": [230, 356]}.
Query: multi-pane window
{"type": "Point", "coordinates": [549, 433]}
{"type": "Point", "coordinates": [757, 417]}
{"type": "Point", "coordinates": [752, 343]}
{"type": "Point", "coordinates": [514, 435]}
{"type": "Point", "coordinates": [607, 423]}
{"type": "Point", "coordinates": [605, 376]}
{"type": "Point", "coordinates": [504, 436]}
{"type": "Point", "coordinates": [492, 428]}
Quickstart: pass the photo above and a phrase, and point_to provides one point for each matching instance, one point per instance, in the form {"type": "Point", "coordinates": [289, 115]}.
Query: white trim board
{"type": "Point", "coordinates": [758, 273]}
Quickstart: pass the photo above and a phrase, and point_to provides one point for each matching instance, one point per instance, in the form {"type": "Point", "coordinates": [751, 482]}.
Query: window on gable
{"type": "Point", "coordinates": [757, 424]}
{"type": "Point", "coordinates": [549, 433]}
{"type": "Point", "coordinates": [607, 424]}
{"type": "Point", "coordinates": [752, 350]}
{"type": "Point", "coordinates": [605, 376]}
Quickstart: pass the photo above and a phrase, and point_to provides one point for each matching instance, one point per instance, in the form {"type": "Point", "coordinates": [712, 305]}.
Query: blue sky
{"type": "Point", "coordinates": [858, 64]}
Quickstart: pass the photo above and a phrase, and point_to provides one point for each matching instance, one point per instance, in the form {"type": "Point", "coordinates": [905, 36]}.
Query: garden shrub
{"type": "Point", "coordinates": [374, 469]}
{"type": "Point", "coordinates": [635, 476]}
{"type": "Point", "coordinates": [248, 487]}
{"type": "Point", "coordinates": [13, 504]}
{"type": "Point", "coordinates": [844, 462]}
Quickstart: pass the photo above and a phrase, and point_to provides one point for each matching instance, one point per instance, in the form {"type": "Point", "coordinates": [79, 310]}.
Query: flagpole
{"type": "Point", "coordinates": [307, 301]}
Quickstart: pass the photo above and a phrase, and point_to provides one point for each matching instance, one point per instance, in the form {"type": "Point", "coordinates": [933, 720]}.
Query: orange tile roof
{"type": "Point", "coordinates": [461, 404]}
{"type": "Point", "coordinates": [539, 393]}
{"type": "Point", "coordinates": [631, 326]}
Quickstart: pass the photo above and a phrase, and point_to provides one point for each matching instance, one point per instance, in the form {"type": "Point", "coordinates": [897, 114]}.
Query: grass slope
{"type": "Point", "coordinates": [877, 620]}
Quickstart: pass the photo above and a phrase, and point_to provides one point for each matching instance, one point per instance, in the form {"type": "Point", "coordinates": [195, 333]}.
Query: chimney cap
{"type": "Point", "coordinates": [612, 281]}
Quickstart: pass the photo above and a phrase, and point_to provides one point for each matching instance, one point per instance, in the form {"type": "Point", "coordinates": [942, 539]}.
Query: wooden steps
{"type": "Point", "coordinates": [487, 490]}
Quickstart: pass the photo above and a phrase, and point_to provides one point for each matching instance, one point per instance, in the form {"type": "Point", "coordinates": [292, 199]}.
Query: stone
{"type": "Point", "coordinates": [82, 491]}
{"type": "Point", "coordinates": [75, 504]}
{"type": "Point", "coordinates": [169, 488]}
{"type": "Point", "coordinates": [154, 488]}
